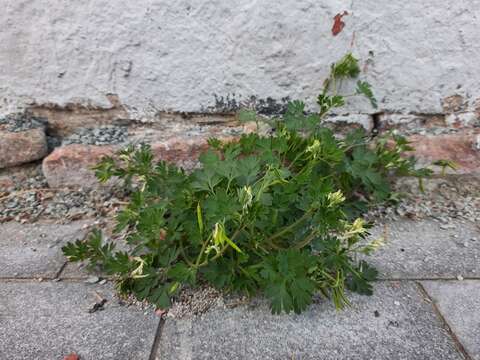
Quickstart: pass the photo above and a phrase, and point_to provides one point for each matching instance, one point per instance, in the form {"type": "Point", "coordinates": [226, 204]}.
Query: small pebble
{"type": "Point", "coordinates": [103, 282]}
{"type": "Point", "coordinates": [397, 303]}
{"type": "Point", "coordinates": [460, 278]}
{"type": "Point", "coordinates": [92, 280]}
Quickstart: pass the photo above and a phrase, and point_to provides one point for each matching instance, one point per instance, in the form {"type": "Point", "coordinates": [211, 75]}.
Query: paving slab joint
{"type": "Point", "coordinates": [59, 272]}
{"type": "Point", "coordinates": [446, 325]}
{"type": "Point", "coordinates": [157, 339]}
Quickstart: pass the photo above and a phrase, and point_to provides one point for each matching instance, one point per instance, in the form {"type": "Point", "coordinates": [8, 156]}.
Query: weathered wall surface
{"type": "Point", "coordinates": [203, 55]}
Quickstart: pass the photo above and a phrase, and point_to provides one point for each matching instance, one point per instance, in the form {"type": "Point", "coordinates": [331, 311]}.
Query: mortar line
{"type": "Point", "coordinates": [156, 340]}
{"type": "Point", "coordinates": [37, 279]}
{"type": "Point", "coordinates": [446, 325]}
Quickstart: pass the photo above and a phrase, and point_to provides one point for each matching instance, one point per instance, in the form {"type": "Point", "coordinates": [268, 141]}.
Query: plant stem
{"type": "Point", "coordinates": [182, 251]}
{"type": "Point", "coordinates": [286, 229]}
{"type": "Point", "coordinates": [200, 255]}
{"type": "Point", "coordinates": [306, 241]}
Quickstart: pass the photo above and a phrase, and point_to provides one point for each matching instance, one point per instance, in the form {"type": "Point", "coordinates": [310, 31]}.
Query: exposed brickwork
{"type": "Point", "coordinates": [454, 103]}
{"type": "Point", "coordinates": [343, 123]}
{"type": "Point", "coordinates": [64, 120]}
{"type": "Point", "coordinates": [410, 122]}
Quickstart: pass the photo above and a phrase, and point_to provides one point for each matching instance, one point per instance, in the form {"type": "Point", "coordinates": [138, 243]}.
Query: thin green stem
{"type": "Point", "coordinates": [200, 255]}
{"type": "Point", "coordinates": [288, 228]}
{"type": "Point", "coordinates": [294, 161]}
{"type": "Point", "coordinates": [182, 251]}
{"type": "Point", "coordinates": [306, 241]}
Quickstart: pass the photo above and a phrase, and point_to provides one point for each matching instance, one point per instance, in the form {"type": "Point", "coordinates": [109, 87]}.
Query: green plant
{"type": "Point", "coordinates": [276, 215]}
{"type": "Point", "coordinates": [446, 164]}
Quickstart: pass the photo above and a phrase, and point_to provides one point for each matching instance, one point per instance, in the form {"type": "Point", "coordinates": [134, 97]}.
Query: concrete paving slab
{"type": "Point", "coordinates": [426, 249]}
{"type": "Point", "coordinates": [49, 320]}
{"type": "Point", "coordinates": [459, 304]}
{"type": "Point", "coordinates": [395, 323]}
{"type": "Point", "coordinates": [34, 250]}
{"type": "Point", "coordinates": [78, 270]}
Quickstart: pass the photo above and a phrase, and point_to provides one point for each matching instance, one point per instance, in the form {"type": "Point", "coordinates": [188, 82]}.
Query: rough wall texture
{"type": "Point", "coordinates": [186, 55]}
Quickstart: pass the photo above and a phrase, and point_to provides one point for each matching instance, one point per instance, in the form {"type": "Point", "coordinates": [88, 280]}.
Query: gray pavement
{"type": "Point", "coordinates": [395, 323]}
{"type": "Point", "coordinates": [459, 304]}
{"type": "Point", "coordinates": [34, 250]}
{"type": "Point", "coordinates": [424, 313]}
{"type": "Point", "coordinates": [428, 250]}
{"type": "Point", "coordinates": [49, 320]}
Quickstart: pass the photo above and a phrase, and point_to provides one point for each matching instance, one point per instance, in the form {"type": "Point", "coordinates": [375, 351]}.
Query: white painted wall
{"type": "Point", "coordinates": [177, 54]}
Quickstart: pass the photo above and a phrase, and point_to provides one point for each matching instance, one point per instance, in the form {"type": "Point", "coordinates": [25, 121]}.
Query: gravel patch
{"type": "Point", "coordinates": [192, 302]}
{"type": "Point", "coordinates": [105, 135]}
{"type": "Point", "coordinates": [62, 204]}
{"type": "Point", "coordinates": [27, 176]}
{"type": "Point", "coordinates": [443, 199]}
{"type": "Point", "coordinates": [31, 199]}
{"type": "Point", "coordinates": [21, 122]}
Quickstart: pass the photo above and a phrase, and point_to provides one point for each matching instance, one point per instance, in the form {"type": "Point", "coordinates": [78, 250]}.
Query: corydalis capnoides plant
{"type": "Point", "coordinates": [278, 215]}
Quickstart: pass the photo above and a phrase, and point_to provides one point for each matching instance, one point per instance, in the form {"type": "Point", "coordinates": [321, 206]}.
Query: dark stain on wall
{"type": "Point", "coordinates": [265, 106]}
